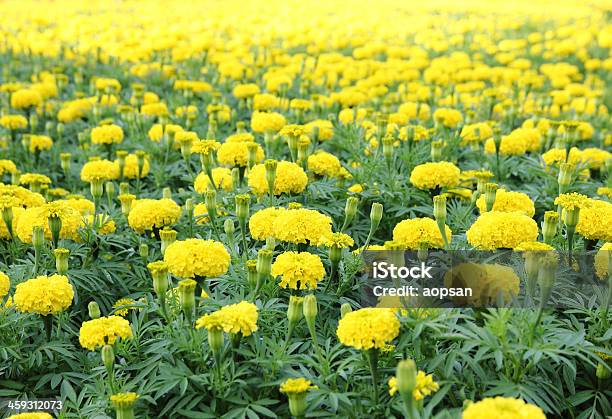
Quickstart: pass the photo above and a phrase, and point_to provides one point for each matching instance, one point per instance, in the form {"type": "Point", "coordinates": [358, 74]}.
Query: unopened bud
{"type": "Point", "coordinates": [345, 309]}
{"type": "Point", "coordinates": [94, 310]}
{"type": "Point", "coordinates": [61, 260]}
{"type": "Point", "coordinates": [490, 194]}
{"type": "Point", "coordinates": [406, 375]}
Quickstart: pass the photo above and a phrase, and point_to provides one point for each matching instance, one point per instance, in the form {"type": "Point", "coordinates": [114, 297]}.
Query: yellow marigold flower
{"type": "Point", "coordinates": [356, 188]}
{"type": "Point", "coordinates": [242, 91]}
{"type": "Point", "coordinates": [296, 386]}
{"type": "Point", "coordinates": [107, 134]}
{"type": "Point", "coordinates": [149, 214]}
{"type": "Point", "coordinates": [595, 157]}
{"type": "Point", "coordinates": [196, 257]}
{"type": "Point", "coordinates": [292, 130]}
{"type": "Point", "coordinates": [261, 223]}
{"type": "Point", "coordinates": [130, 170]}
{"type": "Point", "coordinates": [595, 220]}
{"type": "Point", "coordinates": [270, 122]}
{"type": "Point", "coordinates": [38, 217]}
{"type": "Point", "coordinates": [265, 102]}
{"type": "Point", "coordinates": [157, 131]}
{"type": "Point", "coordinates": [325, 128]}
{"type": "Point", "coordinates": [508, 201]}
{"type": "Point", "coordinates": [448, 117]}
{"type": "Point", "coordinates": [298, 270]}
{"type": "Point", "coordinates": [34, 179]}
{"type": "Point", "coordinates": [323, 163]}
{"type": "Point", "coordinates": [103, 331]}
{"type": "Point", "coordinates": [122, 400]}
{"type": "Point", "coordinates": [99, 170]}
{"type": "Point", "coordinates": [349, 116]}
{"type": "Point", "coordinates": [497, 230]}
{"type": "Point", "coordinates": [510, 146]}
{"type": "Point", "coordinates": [7, 166]}
{"type": "Point", "coordinates": [411, 233]}
{"type": "Point", "coordinates": [425, 386]}
{"type": "Point", "coordinates": [186, 137]}
{"type": "Point", "coordinates": [5, 284]}
{"type": "Point", "coordinates": [26, 98]}
{"type": "Point", "coordinates": [233, 318]}
{"type": "Point", "coordinates": [487, 281]}
{"type": "Point", "coordinates": [13, 122]}
{"type": "Point", "coordinates": [554, 156]}
{"type": "Point", "coordinates": [44, 295]}
{"type": "Point", "coordinates": [205, 146]}
{"type": "Point", "coordinates": [236, 153]}
{"type": "Point", "coordinates": [122, 306]}
{"type": "Point", "coordinates": [301, 225]}
{"type": "Point", "coordinates": [23, 196]}
{"type": "Point", "coordinates": [570, 201]}
{"type": "Point", "coordinates": [503, 408]}
{"type": "Point", "coordinates": [479, 131]}
{"type": "Point", "coordinates": [104, 83]}
{"type": "Point", "coordinates": [602, 261]}
{"type": "Point", "coordinates": [290, 179]}
{"type": "Point", "coordinates": [368, 328]}
{"type": "Point", "coordinates": [39, 143]}
{"type": "Point", "coordinates": [154, 109]}
{"type": "Point", "coordinates": [337, 240]}
{"type": "Point", "coordinates": [435, 175]}
{"type": "Point", "coordinates": [222, 177]}
{"type": "Point", "coordinates": [82, 205]}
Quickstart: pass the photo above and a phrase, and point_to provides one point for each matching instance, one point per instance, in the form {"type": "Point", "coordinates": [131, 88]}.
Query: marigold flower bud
{"type": "Point", "coordinates": [124, 188]}
{"type": "Point", "coordinates": [547, 275]}
{"type": "Point", "coordinates": [388, 148]}
{"type": "Point", "coordinates": [210, 199]}
{"type": "Point", "coordinates": [59, 128]}
{"type": "Point", "coordinates": [126, 202]}
{"type": "Point", "coordinates": [422, 252]}
{"type": "Point", "coordinates": [252, 148]}
{"type": "Point", "coordinates": [294, 310]}
{"type": "Point", "coordinates": [436, 150]}
{"type": "Point", "coordinates": [109, 187]}
{"type": "Point", "coordinates": [7, 217]}
{"type": "Point", "coordinates": [549, 226]}
{"type": "Point", "coordinates": [490, 195]}
{"type": "Point", "coordinates": [94, 310]}
{"type": "Point", "coordinates": [571, 217]}
{"type": "Point", "coordinates": [603, 371]}
{"type": "Point", "coordinates": [310, 310]}
{"type": "Point", "coordinates": [143, 250]}
{"type": "Point", "coordinates": [406, 374]}
{"type": "Point", "coordinates": [350, 209]}
{"type": "Point", "coordinates": [242, 206]}
{"type": "Point", "coordinates": [167, 236]}
{"type": "Point", "coordinates": [251, 266]}
{"type": "Point", "coordinates": [439, 208]}
{"type": "Point", "coordinates": [61, 260]}
{"type": "Point", "coordinates": [345, 309]}
{"type": "Point", "coordinates": [167, 193]}
{"type": "Point", "coordinates": [189, 207]}
{"type": "Point", "coordinates": [38, 237]}
{"type": "Point", "coordinates": [187, 297]}
{"type": "Point", "coordinates": [159, 272]}
{"type": "Point", "coordinates": [97, 188]}
{"type": "Point", "coordinates": [215, 340]}
{"type": "Point", "coordinates": [108, 356]}
{"type": "Point", "coordinates": [235, 178]}
{"type": "Point", "coordinates": [65, 161]}
{"type": "Point", "coordinates": [564, 179]}
{"type": "Point", "coordinates": [270, 166]}
{"type": "Point", "coordinates": [376, 214]}
{"type": "Point", "coordinates": [228, 227]}
{"type": "Point", "coordinates": [264, 262]}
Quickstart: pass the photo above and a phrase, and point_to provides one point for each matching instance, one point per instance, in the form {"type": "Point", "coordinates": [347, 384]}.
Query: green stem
{"type": "Point", "coordinates": [372, 355]}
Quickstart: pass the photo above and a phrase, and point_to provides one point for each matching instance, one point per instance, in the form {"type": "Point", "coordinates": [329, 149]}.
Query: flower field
{"type": "Point", "coordinates": [188, 190]}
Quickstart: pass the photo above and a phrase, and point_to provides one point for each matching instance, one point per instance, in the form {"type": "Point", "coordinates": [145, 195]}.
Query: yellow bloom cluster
{"type": "Point", "coordinates": [13, 122]}
{"type": "Point", "coordinates": [38, 217]}
{"type": "Point", "coordinates": [235, 151]}
{"type": "Point", "coordinates": [602, 260]}
{"type": "Point", "coordinates": [448, 117]}
{"type": "Point", "coordinates": [234, 318]}
{"type": "Point", "coordinates": [107, 134]}
{"type": "Point", "coordinates": [595, 220]}
{"type": "Point", "coordinates": [435, 175]}
{"type": "Point", "coordinates": [261, 223]}
{"type": "Point", "coordinates": [497, 230]}
{"type": "Point", "coordinates": [130, 170]}
{"type": "Point", "coordinates": [103, 331]}
{"type": "Point", "coordinates": [337, 240]}
{"type": "Point", "coordinates": [290, 179]}
{"type": "Point", "coordinates": [267, 122]}
{"type": "Point", "coordinates": [416, 231]}
{"type": "Point", "coordinates": [39, 143]}
{"type": "Point", "coordinates": [149, 214]}
{"type": "Point", "coordinates": [99, 170]}
{"type": "Point", "coordinates": [425, 386]}
{"type": "Point", "coordinates": [22, 197]}
{"type": "Point", "coordinates": [298, 270]}
{"type": "Point", "coordinates": [31, 415]}
{"type": "Point", "coordinates": [573, 200]}
{"type": "Point", "coordinates": [44, 295]}
{"type": "Point", "coordinates": [296, 386]}
{"type": "Point", "coordinates": [26, 98]}
{"type": "Point", "coordinates": [197, 258]}
{"type": "Point", "coordinates": [323, 163]}
{"type": "Point", "coordinates": [509, 201]}
{"type": "Point", "coordinates": [502, 408]}
{"type": "Point", "coordinates": [368, 328]}
{"type": "Point", "coordinates": [300, 225]}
